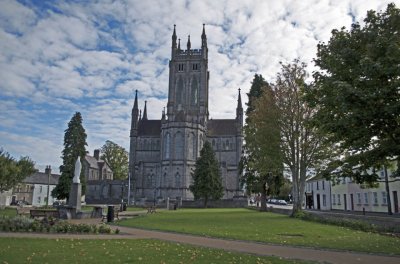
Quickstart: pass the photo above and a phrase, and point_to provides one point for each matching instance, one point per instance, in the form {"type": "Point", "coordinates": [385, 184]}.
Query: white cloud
{"type": "Point", "coordinates": [92, 56]}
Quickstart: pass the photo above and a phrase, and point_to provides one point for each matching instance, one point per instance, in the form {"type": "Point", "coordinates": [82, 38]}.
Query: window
{"type": "Point", "coordinates": [40, 188]}
{"type": "Point", "coordinates": [39, 200]}
{"type": "Point", "coordinates": [180, 91]}
{"type": "Point", "coordinates": [358, 198]}
{"type": "Point", "coordinates": [338, 199]}
{"type": "Point", "coordinates": [375, 197]}
{"type": "Point", "coordinates": [323, 200]}
{"type": "Point", "coordinates": [323, 185]}
{"type": "Point", "coordinates": [167, 145]}
{"type": "Point", "coordinates": [384, 198]}
{"type": "Point", "coordinates": [181, 67]}
{"type": "Point", "coordinates": [227, 144]}
{"type": "Point", "coordinates": [333, 199]}
{"type": "Point", "coordinates": [177, 180]}
{"type": "Point", "coordinates": [194, 91]}
{"type": "Point", "coordinates": [365, 198]}
{"type": "Point", "coordinates": [178, 145]}
{"type": "Point", "coordinates": [317, 185]}
{"type": "Point", "coordinates": [195, 66]}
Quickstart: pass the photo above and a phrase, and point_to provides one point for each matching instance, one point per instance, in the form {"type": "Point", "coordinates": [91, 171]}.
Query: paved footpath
{"type": "Point", "coordinates": [327, 256]}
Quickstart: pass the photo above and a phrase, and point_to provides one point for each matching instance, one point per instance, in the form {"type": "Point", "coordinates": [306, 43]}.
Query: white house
{"type": "Point", "coordinates": [350, 196]}
{"type": "Point", "coordinates": [318, 194]}
{"type": "Point", "coordinates": [36, 188]}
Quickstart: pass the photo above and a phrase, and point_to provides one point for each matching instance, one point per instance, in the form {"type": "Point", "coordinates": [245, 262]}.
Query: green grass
{"type": "Point", "coordinates": [31, 250]}
{"type": "Point", "coordinates": [8, 212]}
{"type": "Point", "coordinates": [244, 224]}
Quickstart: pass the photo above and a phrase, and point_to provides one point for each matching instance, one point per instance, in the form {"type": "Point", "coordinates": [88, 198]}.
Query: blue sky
{"type": "Point", "coordinates": [60, 57]}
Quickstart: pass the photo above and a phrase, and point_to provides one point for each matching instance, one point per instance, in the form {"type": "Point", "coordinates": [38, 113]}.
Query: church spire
{"type": "Point", "coordinates": [188, 44]}
{"type": "Point", "coordinates": [173, 47]}
{"type": "Point", "coordinates": [204, 37]}
{"type": "Point", "coordinates": [135, 114]}
{"type": "Point", "coordinates": [145, 111]}
{"type": "Point", "coordinates": [239, 110]}
{"type": "Point", "coordinates": [135, 104]}
{"type": "Point", "coordinates": [174, 38]}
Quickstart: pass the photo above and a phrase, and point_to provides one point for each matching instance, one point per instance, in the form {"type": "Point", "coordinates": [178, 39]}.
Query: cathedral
{"type": "Point", "coordinates": [163, 152]}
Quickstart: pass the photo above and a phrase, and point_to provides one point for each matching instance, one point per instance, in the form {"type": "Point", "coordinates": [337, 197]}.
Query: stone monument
{"type": "Point", "coordinates": [76, 188]}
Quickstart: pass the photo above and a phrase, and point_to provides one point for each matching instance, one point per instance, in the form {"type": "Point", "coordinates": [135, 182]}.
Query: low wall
{"type": "Point", "coordinates": [226, 203]}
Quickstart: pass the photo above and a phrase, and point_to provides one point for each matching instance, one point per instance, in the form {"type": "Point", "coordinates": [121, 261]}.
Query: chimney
{"type": "Point", "coordinates": [47, 171]}
{"type": "Point", "coordinates": [96, 154]}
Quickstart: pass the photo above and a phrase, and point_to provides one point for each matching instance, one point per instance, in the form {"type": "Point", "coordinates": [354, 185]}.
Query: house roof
{"type": "Point", "coordinates": [42, 178]}
{"type": "Point", "coordinates": [221, 127]}
{"type": "Point", "coordinates": [149, 128]}
{"type": "Point", "coordinates": [93, 162]}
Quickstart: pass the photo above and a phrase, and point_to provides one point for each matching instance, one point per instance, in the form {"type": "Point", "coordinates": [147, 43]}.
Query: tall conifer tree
{"type": "Point", "coordinates": [74, 147]}
{"type": "Point", "coordinates": [207, 176]}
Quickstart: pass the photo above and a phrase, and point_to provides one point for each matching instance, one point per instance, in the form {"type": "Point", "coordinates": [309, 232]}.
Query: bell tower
{"type": "Point", "coordinates": [188, 81]}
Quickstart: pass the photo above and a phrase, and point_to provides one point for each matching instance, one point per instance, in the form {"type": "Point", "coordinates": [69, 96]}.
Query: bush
{"type": "Point", "coordinates": [24, 224]}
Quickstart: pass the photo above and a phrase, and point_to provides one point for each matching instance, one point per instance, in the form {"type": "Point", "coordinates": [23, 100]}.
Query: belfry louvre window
{"type": "Point", "coordinates": [181, 67]}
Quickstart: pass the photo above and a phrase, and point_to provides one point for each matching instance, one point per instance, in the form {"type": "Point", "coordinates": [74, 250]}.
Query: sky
{"type": "Point", "coordinates": [62, 57]}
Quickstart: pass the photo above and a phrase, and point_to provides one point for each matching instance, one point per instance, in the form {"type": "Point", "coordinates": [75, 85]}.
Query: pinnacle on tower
{"type": "Point", "coordinates": [135, 104]}
{"type": "Point", "coordinates": [179, 44]}
{"type": "Point", "coordinates": [145, 111]}
{"type": "Point", "coordinates": [204, 37]}
{"type": "Point", "coordinates": [188, 44]}
{"type": "Point", "coordinates": [174, 38]}
{"type": "Point", "coordinates": [239, 106]}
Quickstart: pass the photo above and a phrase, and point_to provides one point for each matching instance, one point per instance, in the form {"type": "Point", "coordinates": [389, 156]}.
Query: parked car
{"type": "Point", "coordinates": [281, 202]}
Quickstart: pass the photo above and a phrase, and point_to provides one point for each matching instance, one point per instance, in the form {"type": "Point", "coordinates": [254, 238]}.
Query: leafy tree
{"type": "Point", "coordinates": [74, 147]}
{"type": "Point", "coordinates": [262, 163]}
{"type": "Point", "coordinates": [302, 146]}
{"type": "Point", "coordinates": [357, 93]}
{"type": "Point", "coordinates": [207, 176]}
{"type": "Point", "coordinates": [117, 157]}
{"type": "Point", "coordinates": [12, 171]}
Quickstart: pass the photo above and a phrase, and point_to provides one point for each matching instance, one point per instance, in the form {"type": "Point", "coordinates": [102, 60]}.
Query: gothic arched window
{"type": "Point", "coordinates": [178, 142]}
{"type": "Point", "coordinates": [194, 91]}
{"type": "Point", "coordinates": [167, 144]}
{"type": "Point", "coordinates": [177, 180]}
{"type": "Point", "coordinates": [180, 91]}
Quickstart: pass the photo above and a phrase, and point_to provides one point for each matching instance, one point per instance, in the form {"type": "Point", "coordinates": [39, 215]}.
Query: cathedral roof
{"type": "Point", "coordinates": [221, 127]}
{"type": "Point", "coordinates": [149, 128]}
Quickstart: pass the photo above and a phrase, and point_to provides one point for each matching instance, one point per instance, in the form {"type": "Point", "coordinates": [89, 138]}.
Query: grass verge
{"type": "Point", "coordinates": [244, 224]}
{"type": "Point", "coordinates": [18, 250]}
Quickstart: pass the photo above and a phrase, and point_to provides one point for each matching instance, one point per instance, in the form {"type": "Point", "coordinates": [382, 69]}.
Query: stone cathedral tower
{"type": "Point", "coordinates": [163, 152]}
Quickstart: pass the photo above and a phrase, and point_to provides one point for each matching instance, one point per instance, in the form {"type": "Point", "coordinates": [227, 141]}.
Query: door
{"type": "Point", "coordinates": [352, 202]}
{"type": "Point", "coordinates": [395, 202]}
{"type": "Point", "coordinates": [345, 202]}
{"type": "Point", "coordinates": [318, 202]}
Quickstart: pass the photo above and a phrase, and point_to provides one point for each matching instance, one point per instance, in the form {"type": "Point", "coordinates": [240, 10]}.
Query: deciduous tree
{"type": "Point", "coordinates": [207, 176]}
{"type": "Point", "coordinates": [117, 157]}
{"type": "Point", "coordinates": [357, 93]}
{"type": "Point", "coordinates": [262, 163]}
{"type": "Point", "coordinates": [303, 147]}
{"type": "Point", "coordinates": [74, 147]}
{"type": "Point", "coordinates": [13, 171]}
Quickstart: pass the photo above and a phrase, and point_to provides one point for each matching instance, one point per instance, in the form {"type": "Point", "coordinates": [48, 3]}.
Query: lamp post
{"type": "Point", "coordinates": [155, 190]}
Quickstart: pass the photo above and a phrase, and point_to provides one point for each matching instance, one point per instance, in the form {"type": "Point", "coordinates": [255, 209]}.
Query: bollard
{"type": "Point", "coordinates": [110, 214]}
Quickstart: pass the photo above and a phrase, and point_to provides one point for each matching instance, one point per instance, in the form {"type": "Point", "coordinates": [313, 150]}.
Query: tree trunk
{"type": "Point", "coordinates": [205, 201]}
{"type": "Point", "coordinates": [263, 198]}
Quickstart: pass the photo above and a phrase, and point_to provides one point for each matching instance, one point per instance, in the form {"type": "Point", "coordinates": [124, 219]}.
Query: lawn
{"type": "Point", "coordinates": [244, 224]}
{"type": "Point", "coordinates": [8, 212]}
{"type": "Point", "coordinates": [31, 250]}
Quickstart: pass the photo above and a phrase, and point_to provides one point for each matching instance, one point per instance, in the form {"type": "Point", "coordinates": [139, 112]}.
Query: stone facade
{"type": "Point", "coordinates": [96, 169]}
{"type": "Point", "coordinates": [163, 152]}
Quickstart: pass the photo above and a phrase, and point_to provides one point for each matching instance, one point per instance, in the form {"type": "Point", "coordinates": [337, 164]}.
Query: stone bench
{"type": "Point", "coordinates": [23, 210]}
{"type": "Point", "coordinates": [151, 209]}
